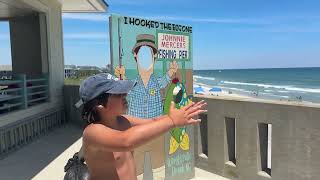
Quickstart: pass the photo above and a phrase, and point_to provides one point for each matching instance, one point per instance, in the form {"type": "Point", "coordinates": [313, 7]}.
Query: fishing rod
{"type": "Point", "coordinates": [120, 46]}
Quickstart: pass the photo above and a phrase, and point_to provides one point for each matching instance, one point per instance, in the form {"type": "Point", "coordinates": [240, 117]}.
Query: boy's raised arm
{"type": "Point", "coordinates": [110, 140]}
{"type": "Point", "coordinates": [134, 121]}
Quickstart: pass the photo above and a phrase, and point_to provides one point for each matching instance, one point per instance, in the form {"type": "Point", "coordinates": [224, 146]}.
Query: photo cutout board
{"type": "Point", "coordinates": [158, 56]}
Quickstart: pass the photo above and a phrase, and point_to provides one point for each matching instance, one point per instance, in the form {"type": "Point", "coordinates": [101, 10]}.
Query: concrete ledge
{"type": "Point", "coordinates": [294, 133]}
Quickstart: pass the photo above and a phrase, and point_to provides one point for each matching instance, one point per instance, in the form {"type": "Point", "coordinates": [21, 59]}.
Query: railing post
{"type": "Point", "coordinates": [24, 90]}
{"type": "Point", "coordinates": [46, 77]}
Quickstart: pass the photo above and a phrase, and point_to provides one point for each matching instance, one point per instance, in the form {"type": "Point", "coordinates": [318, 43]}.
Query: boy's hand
{"type": "Point", "coordinates": [184, 116]}
{"type": "Point", "coordinates": [173, 68]}
{"type": "Point", "coordinates": [119, 72]}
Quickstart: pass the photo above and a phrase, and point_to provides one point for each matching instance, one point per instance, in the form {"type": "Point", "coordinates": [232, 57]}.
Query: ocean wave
{"type": "Point", "coordinates": [304, 89]}
{"type": "Point", "coordinates": [283, 91]}
{"type": "Point", "coordinates": [274, 95]}
{"type": "Point", "coordinates": [202, 77]}
{"type": "Point", "coordinates": [287, 97]}
{"type": "Point", "coordinates": [289, 88]}
{"type": "Point", "coordinates": [238, 89]}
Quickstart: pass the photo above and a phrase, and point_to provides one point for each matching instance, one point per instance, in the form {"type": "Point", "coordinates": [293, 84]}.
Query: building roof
{"type": "Point", "coordinates": [5, 67]}
{"type": "Point", "coordinates": [69, 6]}
{"type": "Point", "coordinates": [88, 68]}
{"type": "Point", "coordinates": [70, 67]}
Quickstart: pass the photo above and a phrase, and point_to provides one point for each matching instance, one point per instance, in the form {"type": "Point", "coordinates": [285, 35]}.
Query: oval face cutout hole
{"type": "Point", "coordinates": [145, 55]}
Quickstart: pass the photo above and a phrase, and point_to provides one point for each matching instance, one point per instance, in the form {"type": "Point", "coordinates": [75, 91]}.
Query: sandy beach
{"type": "Point", "coordinates": [231, 95]}
{"type": "Point", "coordinates": [223, 93]}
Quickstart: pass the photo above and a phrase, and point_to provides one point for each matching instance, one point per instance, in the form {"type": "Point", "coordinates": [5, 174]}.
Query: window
{"type": "Point", "coordinates": [231, 140]}
{"type": "Point", "coordinates": [23, 76]}
{"type": "Point", "coordinates": [264, 146]}
{"type": "Point", "coordinates": [5, 51]}
{"type": "Point", "coordinates": [203, 135]}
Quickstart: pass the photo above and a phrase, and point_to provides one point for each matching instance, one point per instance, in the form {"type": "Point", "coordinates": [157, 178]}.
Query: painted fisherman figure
{"type": "Point", "coordinates": [145, 99]}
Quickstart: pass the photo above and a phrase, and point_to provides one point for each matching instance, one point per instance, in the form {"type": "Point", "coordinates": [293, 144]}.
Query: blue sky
{"type": "Point", "coordinates": [227, 34]}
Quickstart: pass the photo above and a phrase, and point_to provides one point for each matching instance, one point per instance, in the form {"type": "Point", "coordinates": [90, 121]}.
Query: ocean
{"type": "Point", "coordinates": [291, 84]}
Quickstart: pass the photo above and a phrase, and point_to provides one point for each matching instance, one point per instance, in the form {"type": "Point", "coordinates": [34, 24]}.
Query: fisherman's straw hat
{"type": "Point", "coordinates": [145, 40]}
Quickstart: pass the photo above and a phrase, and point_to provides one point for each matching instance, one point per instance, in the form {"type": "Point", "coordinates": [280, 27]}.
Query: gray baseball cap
{"type": "Point", "coordinates": [95, 85]}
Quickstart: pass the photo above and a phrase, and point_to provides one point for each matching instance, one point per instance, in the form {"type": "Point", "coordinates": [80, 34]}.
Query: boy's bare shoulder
{"type": "Point", "coordinates": [94, 127]}
{"type": "Point", "coordinates": [103, 138]}
{"type": "Point", "coordinates": [94, 130]}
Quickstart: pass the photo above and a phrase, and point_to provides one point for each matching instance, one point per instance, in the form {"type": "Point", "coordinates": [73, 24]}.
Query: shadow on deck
{"type": "Point", "coordinates": [44, 158]}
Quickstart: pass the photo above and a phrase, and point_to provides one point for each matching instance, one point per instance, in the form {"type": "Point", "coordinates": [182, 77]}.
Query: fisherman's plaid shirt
{"type": "Point", "coordinates": [146, 102]}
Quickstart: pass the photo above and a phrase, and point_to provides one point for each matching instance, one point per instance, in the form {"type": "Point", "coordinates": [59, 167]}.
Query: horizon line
{"type": "Point", "coordinates": [257, 68]}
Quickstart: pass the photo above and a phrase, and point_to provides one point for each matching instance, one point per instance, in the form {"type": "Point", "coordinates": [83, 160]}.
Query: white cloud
{"type": "Point", "coordinates": [213, 20]}
{"type": "Point", "coordinates": [76, 45]}
{"type": "Point", "coordinates": [130, 2]}
{"type": "Point", "coordinates": [87, 17]}
{"type": "Point", "coordinates": [87, 36]}
{"type": "Point", "coordinates": [281, 29]}
{"type": "Point", "coordinates": [104, 17]}
{"type": "Point", "coordinates": [294, 30]}
{"type": "Point", "coordinates": [217, 20]}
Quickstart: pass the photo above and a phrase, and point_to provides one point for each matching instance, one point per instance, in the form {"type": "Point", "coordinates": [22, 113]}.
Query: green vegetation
{"type": "Point", "coordinates": [73, 81]}
{"type": "Point", "coordinates": [79, 76]}
{"type": "Point", "coordinates": [86, 73]}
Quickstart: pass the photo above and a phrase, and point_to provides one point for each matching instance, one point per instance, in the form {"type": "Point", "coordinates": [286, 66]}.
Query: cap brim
{"type": "Point", "coordinates": [119, 87]}
{"type": "Point", "coordinates": [122, 87]}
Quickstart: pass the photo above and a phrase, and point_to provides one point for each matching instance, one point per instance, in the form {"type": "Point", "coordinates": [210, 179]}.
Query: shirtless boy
{"type": "Point", "coordinates": [110, 136]}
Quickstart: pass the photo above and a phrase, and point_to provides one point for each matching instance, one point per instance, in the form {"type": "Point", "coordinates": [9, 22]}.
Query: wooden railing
{"type": "Point", "coordinates": [21, 92]}
{"type": "Point", "coordinates": [15, 135]}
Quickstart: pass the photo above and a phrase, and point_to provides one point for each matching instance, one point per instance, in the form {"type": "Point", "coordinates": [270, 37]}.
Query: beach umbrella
{"type": "Point", "coordinates": [215, 89]}
{"type": "Point", "coordinates": [199, 90]}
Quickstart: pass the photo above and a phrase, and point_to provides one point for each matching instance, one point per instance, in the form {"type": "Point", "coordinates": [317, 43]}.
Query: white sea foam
{"type": "Point", "coordinates": [274, 95]}
{"type": "Point", "coordinates": [203, 77]}
{"type": "Point", "coordinates": [287, 97]}
{"type": "Point", "coordinates": [304, 89]}
{"type": "Point", "coordinates": [238, 89]}
{"type": "Point", "coordinates": [289, 88]}
{"type": "Point", "coordinates": [283, 91]}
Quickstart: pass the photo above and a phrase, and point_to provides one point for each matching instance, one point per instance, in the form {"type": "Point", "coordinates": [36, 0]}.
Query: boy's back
{"type": "Point", "coordinates": [109, 165]}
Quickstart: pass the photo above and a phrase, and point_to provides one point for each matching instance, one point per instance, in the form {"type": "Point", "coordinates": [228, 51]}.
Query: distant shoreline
{"type": "Point", "coordinates": [253, 68]}
{"type": "Point", "coordinates": [233, 95]}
